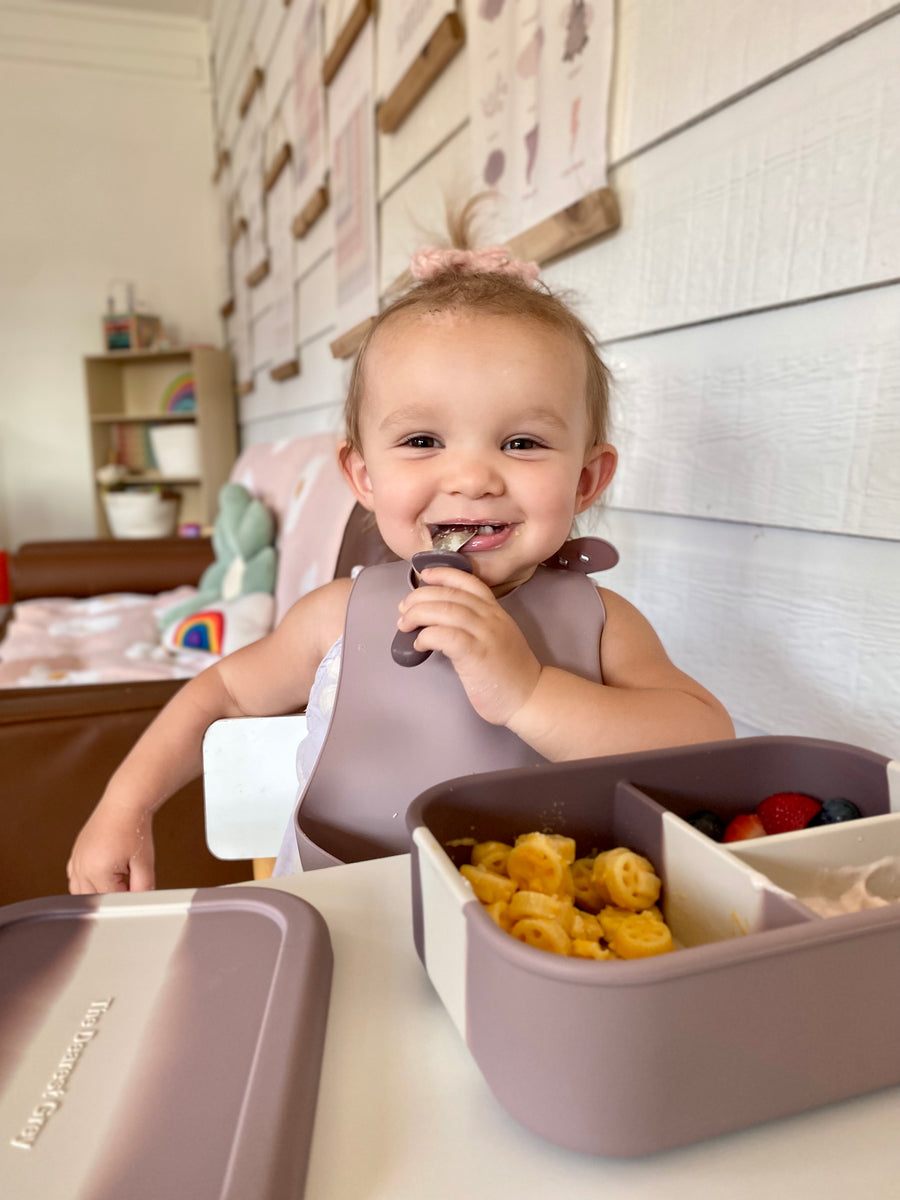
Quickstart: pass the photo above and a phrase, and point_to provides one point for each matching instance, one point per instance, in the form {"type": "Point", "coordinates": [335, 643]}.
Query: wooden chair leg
{"type": "Point", "coordinates": [263, 867]}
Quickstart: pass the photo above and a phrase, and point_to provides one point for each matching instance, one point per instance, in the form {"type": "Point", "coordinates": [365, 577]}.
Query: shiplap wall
{"type": "Point", "coordinates": [750, 309]}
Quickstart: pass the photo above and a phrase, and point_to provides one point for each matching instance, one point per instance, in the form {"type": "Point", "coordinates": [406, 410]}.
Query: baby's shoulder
{"type": "Point", "coordinates": [318, 617]}
{"type": "Point", "coordinates": [621, 613]}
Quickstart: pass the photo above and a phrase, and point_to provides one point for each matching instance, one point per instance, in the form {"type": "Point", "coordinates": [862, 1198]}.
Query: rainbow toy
{"type": "Point", "coordinates": [201, 631]}
{"type": "Point", "coordinates": [180, 396]}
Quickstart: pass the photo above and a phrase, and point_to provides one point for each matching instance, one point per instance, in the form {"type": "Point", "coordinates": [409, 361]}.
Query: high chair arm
{"type": "Point", "coordinates": [250, 784]}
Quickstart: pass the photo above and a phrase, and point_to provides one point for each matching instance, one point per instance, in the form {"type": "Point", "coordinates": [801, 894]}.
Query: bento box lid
{"type": "Point", "coordinates": [160, 1044]}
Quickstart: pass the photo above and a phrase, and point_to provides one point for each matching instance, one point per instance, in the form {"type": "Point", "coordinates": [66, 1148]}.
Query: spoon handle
{"type": "Point", "coordinates": [403, 650]}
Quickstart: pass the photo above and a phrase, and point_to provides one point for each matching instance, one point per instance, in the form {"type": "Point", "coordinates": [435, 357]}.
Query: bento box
{"type": "Point", "coordinates": [764, 1009]}
{"type": "Point", "coordinates": [160, 1045]}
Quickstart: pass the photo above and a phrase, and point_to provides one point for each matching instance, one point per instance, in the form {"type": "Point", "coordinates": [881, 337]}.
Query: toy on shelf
{"type": "Point", "coordinates": [124, 328]}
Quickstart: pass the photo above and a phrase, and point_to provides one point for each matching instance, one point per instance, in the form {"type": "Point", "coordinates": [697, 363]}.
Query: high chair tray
{"type": "Point", "coordinates": [764, 1009]}
{"type": "Point", "coordinates": [160, 1044]}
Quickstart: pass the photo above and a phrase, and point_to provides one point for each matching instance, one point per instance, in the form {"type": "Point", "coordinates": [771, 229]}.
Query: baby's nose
{"type": "Point", "coordinates": [474, 475]}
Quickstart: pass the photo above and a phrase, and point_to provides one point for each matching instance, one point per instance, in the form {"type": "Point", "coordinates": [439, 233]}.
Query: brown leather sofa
{"type": "Point", "coordinates": [59, 745]}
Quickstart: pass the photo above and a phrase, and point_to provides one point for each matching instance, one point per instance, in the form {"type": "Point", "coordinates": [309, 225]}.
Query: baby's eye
{"type": "Point", "coordinates": [421, 441]}
{"type": "Point", "coordinates": [521, 443]}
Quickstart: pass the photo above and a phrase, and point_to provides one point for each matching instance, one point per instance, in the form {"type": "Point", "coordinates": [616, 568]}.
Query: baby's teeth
{"type": "Point", "coordinates": [485, 528]}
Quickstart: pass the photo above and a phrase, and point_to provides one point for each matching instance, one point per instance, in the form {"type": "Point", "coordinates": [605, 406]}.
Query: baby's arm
{"type": "Point", "coordinates": [114, 850]}
{"type": "Point", "coordinates": [644, 702]}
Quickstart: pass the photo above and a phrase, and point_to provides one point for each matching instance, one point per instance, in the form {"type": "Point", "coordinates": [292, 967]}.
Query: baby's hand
{"type": "Point", "coordinates": [460, 617]}
{"type": "Point", "coordinates": [113, 853]}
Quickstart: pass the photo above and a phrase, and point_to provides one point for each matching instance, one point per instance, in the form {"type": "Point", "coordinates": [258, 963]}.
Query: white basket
{"type": "Point", "coordinates": [141, 514]}
{"type": "Point", "coordinates": [175, 450]}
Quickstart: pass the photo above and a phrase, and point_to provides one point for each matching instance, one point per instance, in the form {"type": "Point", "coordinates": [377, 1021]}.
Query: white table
{"type": "Point", "coordinates": [405, 1114]}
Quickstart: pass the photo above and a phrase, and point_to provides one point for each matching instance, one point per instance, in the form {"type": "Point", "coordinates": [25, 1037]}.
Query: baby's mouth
{"type": "Point", "coordinates": [455, 536]}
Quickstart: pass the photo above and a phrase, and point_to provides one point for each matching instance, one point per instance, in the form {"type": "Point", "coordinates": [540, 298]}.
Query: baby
{"type": "Point", "coordinates": [478, 401]}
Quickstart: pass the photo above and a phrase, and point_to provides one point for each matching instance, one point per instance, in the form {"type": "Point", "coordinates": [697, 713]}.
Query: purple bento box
{"type": "Point", "coordinates": [766, 1009]}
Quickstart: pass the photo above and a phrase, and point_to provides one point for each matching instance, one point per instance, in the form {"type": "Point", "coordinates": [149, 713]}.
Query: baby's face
{"type": "Point", "coordinates": [477, 420]}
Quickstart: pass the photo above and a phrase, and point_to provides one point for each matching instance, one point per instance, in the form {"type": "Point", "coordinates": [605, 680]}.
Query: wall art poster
{"type": "Point", "coordinates": [281, 252]}
{"type": "Point", "coordinates": [351, 127]}
{"type": "Point", "coordinates": [309, 149]}
{"type": "Point", "coordinates": [239, 334]}
{"type": "Point", "coordinates": [251, 189]}
{"type": "Point", "coordinates": [539, 78]}
{"type": "Point", "coordinates": [404, 27]}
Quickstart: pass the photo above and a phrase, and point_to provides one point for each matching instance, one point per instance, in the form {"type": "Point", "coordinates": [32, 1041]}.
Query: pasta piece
{"type": "Point", "coordinates": [581, 948]}
{"type": "Point", "coordinates": [583, 890]}
{"type": "Point", "coordinates": [630, 880]}
{"type": "Point", "coordinates": [586, 927]}
{"type": "Point", "coordinates": [543, 934]}
{"type": "Point", "coordinates": [598, 875]}
{"type": "Point", "coordinates": [535, 904]}
{"type": "Point", "coordinates": [535, 865]}
{"type": "Point", "coordinates": [499, 914]}
{"type": "Point", "coordinates": [487, 886]}
{"type": "Point", "coordinates": [641, 935]}
{"type": "Point", "coordinates": [565, 846]}
{"type": "Point", "coordinates": [492, 856]}
{"type": "Point", "coordinates": [610, 918]}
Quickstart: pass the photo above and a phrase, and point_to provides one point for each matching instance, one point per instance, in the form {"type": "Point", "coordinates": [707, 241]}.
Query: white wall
{"type": "Point", "coordinates": [106, 158]}
{"type": "Point", "coordinates": [750, 305]}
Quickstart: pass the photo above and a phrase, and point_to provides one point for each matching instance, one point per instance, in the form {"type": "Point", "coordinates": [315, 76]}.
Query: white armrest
{"type": "Point", "coordinates": [250, 784]}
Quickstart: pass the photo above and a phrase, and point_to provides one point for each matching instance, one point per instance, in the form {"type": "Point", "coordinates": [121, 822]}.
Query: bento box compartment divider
{"type": "Point", "coordinates": [710, 895]}
{"type": "Point", "coordinates": [445, 893]}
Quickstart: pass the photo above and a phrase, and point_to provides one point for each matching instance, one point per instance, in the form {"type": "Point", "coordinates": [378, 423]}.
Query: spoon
{"type": "Point", "coordinates": [444, 553]}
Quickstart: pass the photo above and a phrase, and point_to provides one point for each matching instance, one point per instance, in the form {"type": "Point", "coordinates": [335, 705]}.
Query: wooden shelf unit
{"type": "Point", "coordinates": [128, 388]}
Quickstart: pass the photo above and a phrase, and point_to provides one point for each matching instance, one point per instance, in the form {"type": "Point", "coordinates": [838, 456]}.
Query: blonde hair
{"type": "Point", "coordinates": [496, 293]}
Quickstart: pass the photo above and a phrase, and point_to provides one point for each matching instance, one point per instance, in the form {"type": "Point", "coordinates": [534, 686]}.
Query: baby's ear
{"type": "Point", "coordinates": [354, 469]}
{"type": "Point", "coordinates": [596, 475]}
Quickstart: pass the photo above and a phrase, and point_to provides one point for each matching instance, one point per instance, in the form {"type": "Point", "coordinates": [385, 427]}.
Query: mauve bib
{"type": "Point", "coordinates": [396, 731]}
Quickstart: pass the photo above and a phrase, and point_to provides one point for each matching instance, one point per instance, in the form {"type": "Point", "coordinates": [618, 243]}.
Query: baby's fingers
{"type": "Point", "coordinates": [445, 604]}
{"type": "Point", "coordinates": [90, 881]}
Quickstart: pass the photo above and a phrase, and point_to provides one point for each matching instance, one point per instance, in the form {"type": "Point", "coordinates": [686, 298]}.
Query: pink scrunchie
{"type": "Point", "coordinates": [434, 261]}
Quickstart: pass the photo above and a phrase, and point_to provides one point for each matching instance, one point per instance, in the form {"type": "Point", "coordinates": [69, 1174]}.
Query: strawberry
{"type": "Point", "coordinates": [743, 826]}
{"type": "Point", "coordinates": [784, 811]}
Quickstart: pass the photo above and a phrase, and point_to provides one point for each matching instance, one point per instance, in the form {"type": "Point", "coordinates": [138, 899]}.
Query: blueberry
{"type": "Point", "coordinates": [709, 823]}
{"type": "Point", "coordinates": [835, 810]}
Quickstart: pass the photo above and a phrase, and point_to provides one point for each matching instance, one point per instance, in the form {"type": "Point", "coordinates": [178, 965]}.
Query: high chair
{"type": "Point", "coordinates": [250, 786]}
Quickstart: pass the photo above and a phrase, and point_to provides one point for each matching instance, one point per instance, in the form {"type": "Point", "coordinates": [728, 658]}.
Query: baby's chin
{"type": "Point", "coordinates": [501, 583]}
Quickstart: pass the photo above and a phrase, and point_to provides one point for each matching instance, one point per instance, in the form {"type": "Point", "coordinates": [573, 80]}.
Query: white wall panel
{"type": "Point", "coordinates": [792, 192]}
{"type": "Point", "coordinates": [796, 633]}
{"type": "Point", "coordinates": [310, 403]}
{"type": "Point", "coordinates": [223, 21]}
{"type": "Point", "coordinates": [789, 417]}
{"type": "Point", "coordinates": [291, 424]}
{"type": "Point", "coordinates": [440, 113]}
{"type": "Point", "coordinates": [263, 339]}
{"type": "Point", "coordinates": [416, 209]}
{"type": "Point", "coordinates": [227, 59]}
{"type": "Point", "coordinates": [317, 243]}
{"type": "Point", "coordinates": [238, 62]}
{"type": "Point", "coordinates": [260, 298]}
{"type": "Point", "coordinates": [240, 147]}
{"type": "Point", "coordinates": [269, 22]}
{"type": "Point", "coordinates": [336, 14]}
{"type": "Point", "coordinates": [677, 59]}
{"type": "Point", "coordinates": [280, 74]}
{"type": "Point", "coordinates": [316, 293]}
